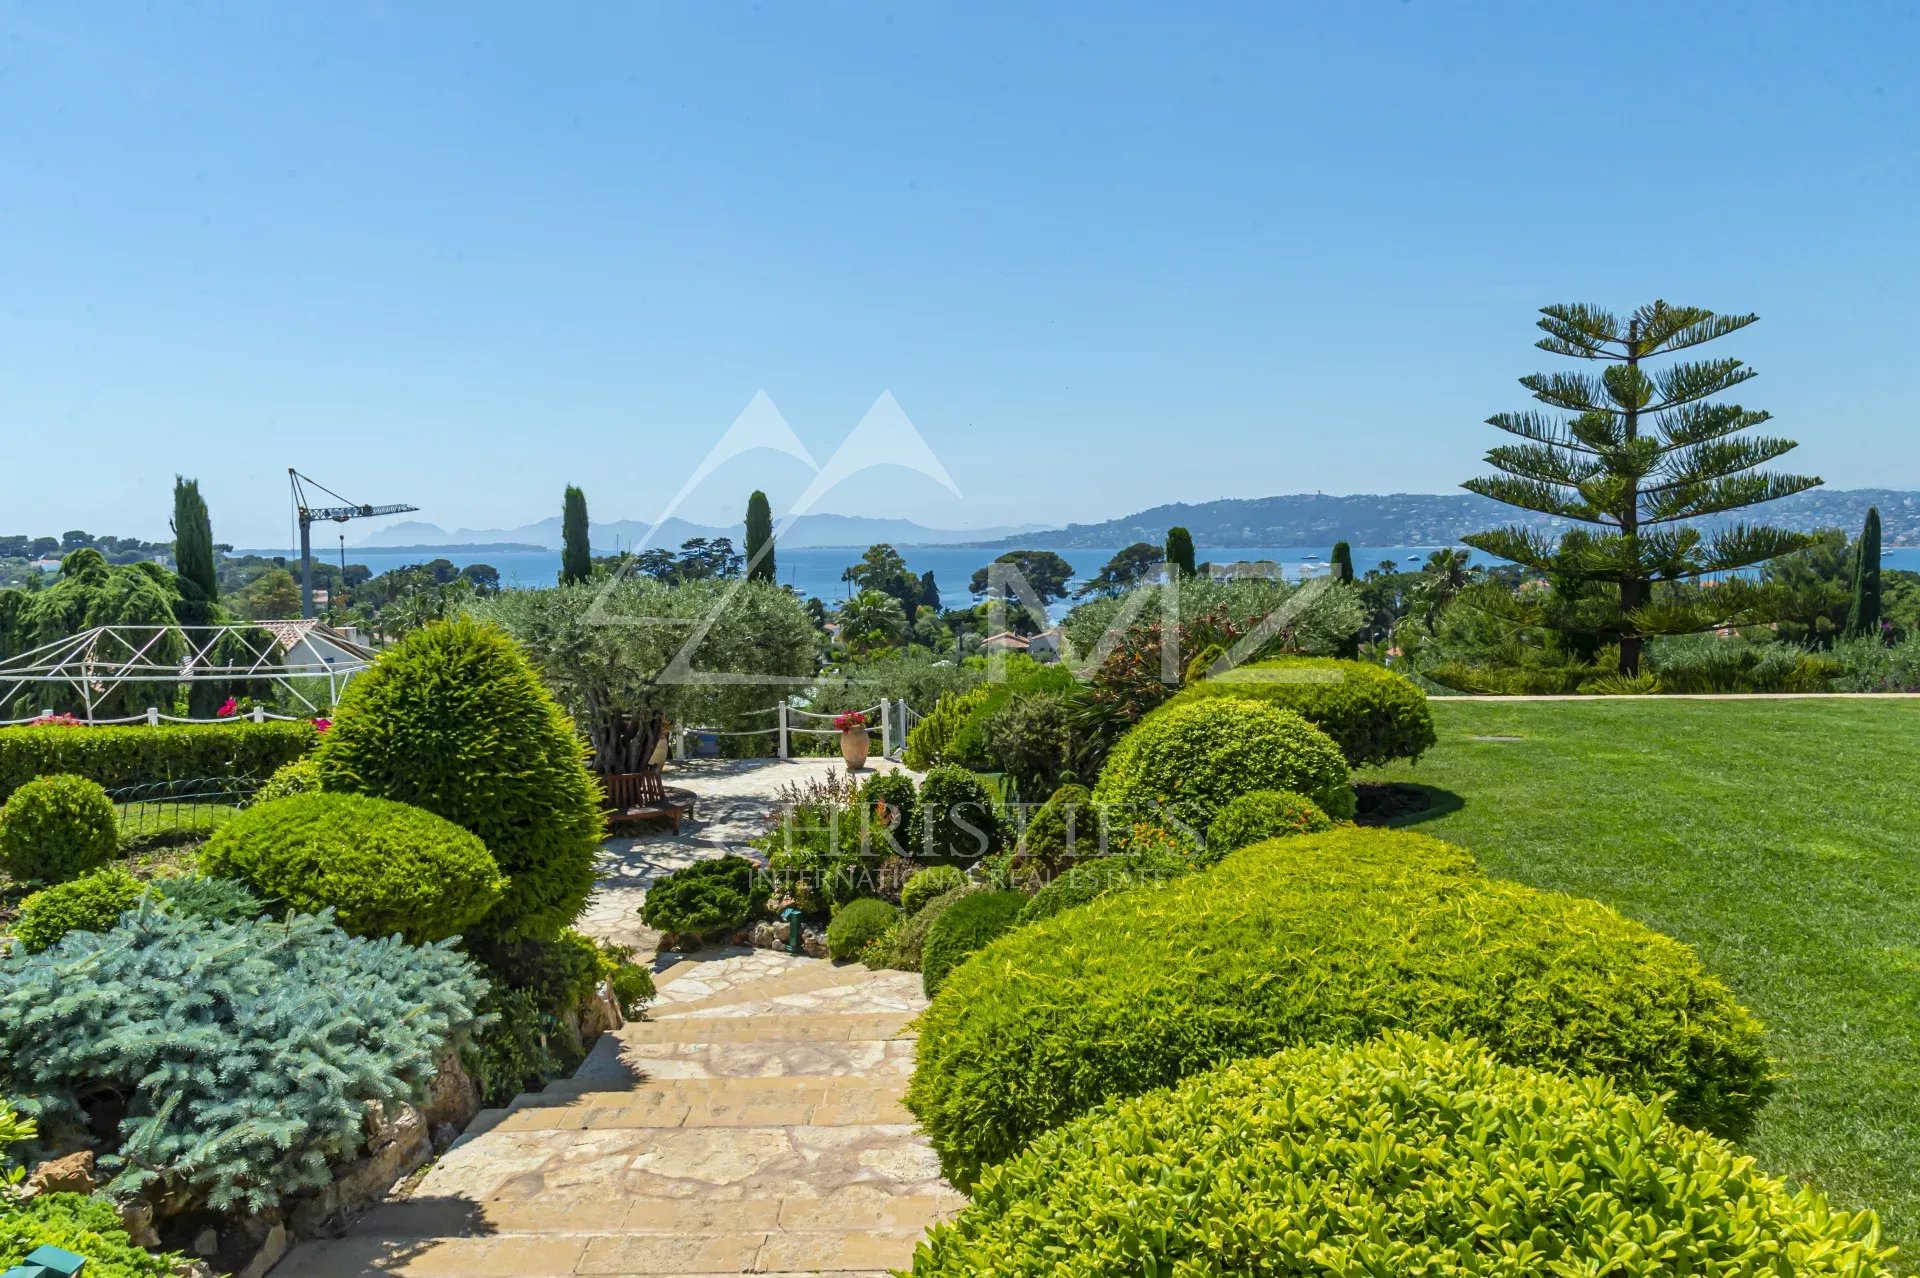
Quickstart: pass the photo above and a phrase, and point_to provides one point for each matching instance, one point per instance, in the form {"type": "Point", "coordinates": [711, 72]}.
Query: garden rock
{"type": "Point", "coordinates": [394, 1149]}
{"type": "Point", "coordinates": [452, 1097]}
{"type": "Point", "coordinates": [72, 1174]}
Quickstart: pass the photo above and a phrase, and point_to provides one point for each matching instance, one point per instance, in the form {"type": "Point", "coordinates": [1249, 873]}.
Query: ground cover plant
{"type": "Point", "coordinates": [1334, 936]}
{"type": "Point", "coordinates": [1404, 1155]}
{"type": "Point", "coordinates": [1778, 838]}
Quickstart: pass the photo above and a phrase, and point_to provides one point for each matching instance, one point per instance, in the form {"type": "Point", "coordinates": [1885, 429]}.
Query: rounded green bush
{"type": "Point", "coordinates": [1324, 937]}
{"type": "Point", "coordinates": [56, 828]}
{"type": "Point", "coordinates": [706, 898]}
{"type": "Point", "coordinates": [302, 776]}
{"type": "Point", "coordinates": [856, 923]}
{"type": "Point", "coordinates": [895, 789]}
{"type": "Point", "coordinates": [1258, 816]}
{"type": "Point", "coordinates": [453, 719]}
{"type": "Point", "coordinates": [968, 926]}
{"type": "Point", "coordinates": [1192, 758]}
{"type": "Point", "coordinates": [1089, 881]}
{"type": "Point", "coordinates": [955, 819]}
{"type": "Point", "coordinates": [91, 903]}
{"type": "Point", "coordinates": [924, 885]}
{"type": "Point", "coordinates": [383, 867]}
{"type": "Point", "coordinates": [910, 946]}
{"type": "Point", "coordinates": [1373, 714]}
{"type": "Point", "coordinates": [1065, 829]}
{"type": "Point", "coordinates": [1404, 1155]}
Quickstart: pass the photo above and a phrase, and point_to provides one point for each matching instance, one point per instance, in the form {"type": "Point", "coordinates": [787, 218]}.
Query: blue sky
{"type": "Point", "coordinates": [1104, 256]}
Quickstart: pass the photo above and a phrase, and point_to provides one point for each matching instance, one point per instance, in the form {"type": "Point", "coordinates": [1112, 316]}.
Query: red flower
{"type": "Point", "coordinates": [321, 725]}
{"type": "Point", "coordinates": [227, 708]}
{"type": "Point", "coordinates": [850, 720]}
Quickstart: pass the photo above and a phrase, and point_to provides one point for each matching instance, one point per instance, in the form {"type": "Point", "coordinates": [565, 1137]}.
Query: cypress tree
{"type": "Point", "coordinates": [1343, 563]}
{"type": "Point", "coordinates": [1180, 550]}
{"type": "Point", "coordinates": [759, 539]}
{"type": "Point", "coordinates": [1863, 617]}
{"type": "Point", "coordinates": [193, 565]}
{"type": "Point", "coordinates": [1638, 452]}
{"type": "Point", "coordinates": [929, 591]}
{"type": "Point", "coordinates": [576, 552]}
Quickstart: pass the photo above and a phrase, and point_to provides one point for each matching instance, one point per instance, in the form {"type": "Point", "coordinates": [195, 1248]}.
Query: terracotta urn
{"type": "Point", "coordinates": [853, 748]}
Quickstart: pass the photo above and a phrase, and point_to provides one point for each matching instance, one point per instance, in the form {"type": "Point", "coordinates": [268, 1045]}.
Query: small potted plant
{"type": "Point", "coordinates": [853, 739]}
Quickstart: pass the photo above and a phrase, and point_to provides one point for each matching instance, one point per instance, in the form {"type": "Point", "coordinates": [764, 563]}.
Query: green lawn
{"type": "Point", "coordinates": [1782, 840]}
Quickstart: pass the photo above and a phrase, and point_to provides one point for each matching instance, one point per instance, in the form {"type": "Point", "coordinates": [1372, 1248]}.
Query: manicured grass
{"type": "Point", "coordinates": [1780, 838]}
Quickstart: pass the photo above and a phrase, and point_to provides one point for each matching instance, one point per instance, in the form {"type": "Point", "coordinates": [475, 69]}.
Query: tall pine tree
{"type": "Point", "coordinates": [1180, 550]}
{"type": "Point", "coordinates": [1863, 616]}
{"type": "Point", "coordinates": [576, 551]}
{"type": "Point", "coordinates": [193, 563]}
{"type": "Point", "coordinates": [760, 539]}
{"type": "Point", "coordinates": [1637, 452]}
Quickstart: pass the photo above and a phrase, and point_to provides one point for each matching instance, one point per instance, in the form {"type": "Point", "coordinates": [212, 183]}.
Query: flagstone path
{"type": "Point", "coordinates": [751, 1124]}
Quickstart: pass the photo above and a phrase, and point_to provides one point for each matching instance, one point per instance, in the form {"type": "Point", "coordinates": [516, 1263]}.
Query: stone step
{"type": "Point", "coordinates": [809, 1027]}
{"type": "Point", "coordinates": [843, 1254]}
{"type": "Point", "coordinates": [814, 975]}
{"type": "Point", "coordinates": [813, 1046]}
{"type": "Point", "coordinates": [794, 1100]}
{"type": "Point", "coordinates": [842, 1212]}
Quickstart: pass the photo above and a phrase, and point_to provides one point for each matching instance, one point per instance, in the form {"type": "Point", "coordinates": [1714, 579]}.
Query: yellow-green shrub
{"type": "Point", "coordinates": [1404, 1155]}
{"type": "Point", "coordinates": [1374, 715]}
{"type": "Point", "coordinates": [89, 903]}
{"type": "Point", "coordinates": [1260, 815]}
{"type": "Point", "coordinates": [55, 828]}
{"type": "Point", "coordinates": [1327, 937]}
{"type": "Point", "coordinates": [1193, 757]}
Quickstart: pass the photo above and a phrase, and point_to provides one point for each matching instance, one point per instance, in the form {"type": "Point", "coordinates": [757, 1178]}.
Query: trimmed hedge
{"type": "Point", "coordinates": [1327, 937]}
{"type": "Point", "coordinates": [56, 828]}
{"type": "Point", "coordinates": [1088, 881]}
{"type": "Point", "coordinates": [1194, 757]}
{"type": "Point", "coordinates": [970, 925]}
{"type": "Point", "coordinates": [925, 885]}
{"type": "Point", "coordinates": [1260, 815]}
{"type": "Point", "coordinates": [1373, 714]}
{"type": "Point", "coordinates": [91, 903]}
{"type": "Point", "coordinates": [706, 898]}
{"type": "Point", "coordinates": [134, 754]}
{"type": "Point", "coordinates": [1405, 1155]}
{"type": "Point", "coordinates": [385, 868]}
{"type": "Point", "coordinates": [856, 923]}
{"type": "Point", "coordinates": [453, 719]}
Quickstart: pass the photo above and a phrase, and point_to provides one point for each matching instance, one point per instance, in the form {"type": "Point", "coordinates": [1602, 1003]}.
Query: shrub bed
{"type": "Point", "coordinates": [1194, 757]}
{"type": "Point", "coordinates": [1374, 715]}
{"type": "Point", "coordinates": [453, 719]}
{"type": "Point", "coordinates": [856, 924]}
{"type": "Point", "coordinates": [1258, 816]}
{"type": "Point", "coordinates": [55, 828]}
{"type": "Point", "coordinates": [1329, 937]}
{"type": "Point", "coordinates": [302, 776]}
{"type": "Point", "coordinates": [384, 867]}
{"type": "Point", "coordinates": [970, 925]}
{"type": "Point", "coordinates": [133, 754]}
{"type": "Point", "coordinates": [1405, 1155]}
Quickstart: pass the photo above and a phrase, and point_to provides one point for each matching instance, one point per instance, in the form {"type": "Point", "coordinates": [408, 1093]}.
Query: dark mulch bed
{"type": "Point", "coordinates": [1384, 802]}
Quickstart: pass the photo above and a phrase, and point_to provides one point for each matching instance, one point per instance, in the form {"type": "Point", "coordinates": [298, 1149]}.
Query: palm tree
{"type": "Point", "coordinates": [1445, 574]}
{"type": "Point", "coordinates": [871, 620]}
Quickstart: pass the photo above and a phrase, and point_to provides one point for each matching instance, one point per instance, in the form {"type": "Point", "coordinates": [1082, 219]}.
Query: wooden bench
{"type": "Point", "coordinates": [633, 797]}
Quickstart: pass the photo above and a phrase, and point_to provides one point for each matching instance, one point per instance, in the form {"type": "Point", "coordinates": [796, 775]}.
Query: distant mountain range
{"type": "Point", "coordinates": [1428, 519]}
{"type": "Point", "coordinates": [807, 531]}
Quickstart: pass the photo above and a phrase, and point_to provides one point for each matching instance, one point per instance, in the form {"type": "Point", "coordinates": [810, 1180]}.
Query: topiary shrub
{"type": "Point", "coordinates": [90, 903]}
{"type": "Point", "coordinates": [935, 880]}
{"type": "Point", "coordinates": [857, 923]}
{"type": "Point", "coordinates": [971, 924]}
{"type": "Point", "coordinates": [895, 790]}
{"type": "Point", "coordinates": [85, 1226]}
{"type": "Point", "coordinates": [56, 828]}
{"type": "Point", "coordinates": [1088, 881]}
{"type": "Point", "coordinates": [1373, 714]}
{"type": "Point", "coordinates": [1191, 759]}
{"type": "Point", "coordinates": [1065, 829]}
{"type": "Point", "coordinates": [302, 776]}
{"type": "Point", "coordinates": [178, 1035]}
{"type": "Point", "coordinates": [955, 820]}
{"type": "Point", "coordinates": [909, 947]}
{"type": "Point", "coordinates": [452, 719]}
{"type": "Point", "coordinates": [1326, 937]}
{"type": "Point", "coordinates": [708, 898]}
{"type": "Point", "coordinates": [385, 868]}
{"type": "Point", "coordinates": [1405, 1155]}
{"type": "Point", "coordinates": [1258, 816]}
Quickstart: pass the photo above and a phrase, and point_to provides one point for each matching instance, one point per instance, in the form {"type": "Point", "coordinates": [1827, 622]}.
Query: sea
{"type": "Point", "coordinates": [817, 571]}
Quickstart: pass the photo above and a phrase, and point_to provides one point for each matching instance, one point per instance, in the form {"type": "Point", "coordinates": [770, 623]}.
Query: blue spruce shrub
{"type": "Point", "coordinates": [242, 1056]}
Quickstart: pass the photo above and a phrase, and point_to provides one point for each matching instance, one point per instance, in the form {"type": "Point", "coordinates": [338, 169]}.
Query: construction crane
{"type": "Point", "coordinates": [340, 514]}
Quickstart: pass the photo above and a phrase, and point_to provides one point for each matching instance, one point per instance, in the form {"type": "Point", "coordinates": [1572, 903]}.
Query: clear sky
{"type": "Point", "coordinates": [1104, 256]}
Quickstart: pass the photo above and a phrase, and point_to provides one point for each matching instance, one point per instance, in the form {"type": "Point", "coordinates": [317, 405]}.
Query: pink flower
{"type": "Point", "coordinates": [321, 725]}
{"type": "Point", "coordinates": [850, 720]}
{"type": "Point", "coordinates": [227, 708]}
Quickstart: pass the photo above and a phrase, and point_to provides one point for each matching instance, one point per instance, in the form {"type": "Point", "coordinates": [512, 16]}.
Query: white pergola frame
{"type": "Point", "coordinates": [95, 662]}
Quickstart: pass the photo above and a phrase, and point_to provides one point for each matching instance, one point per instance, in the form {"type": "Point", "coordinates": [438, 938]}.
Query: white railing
{"type": "Point", "coordinates": [151, 717]}
{"type": "Point", "coordinates": [882, 716]}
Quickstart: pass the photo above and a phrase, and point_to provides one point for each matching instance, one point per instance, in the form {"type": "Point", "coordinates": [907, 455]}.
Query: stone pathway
{"type": "Point", "coordinates": [752, 1124]}
{"type": "Point", "coordinates": [736, 799]}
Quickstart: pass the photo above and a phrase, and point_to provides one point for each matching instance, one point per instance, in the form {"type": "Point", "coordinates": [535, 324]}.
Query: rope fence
{"type": "Point", "coordinates": [889, 719]}
{"type": "Point", "coordinates": [152, 716]}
